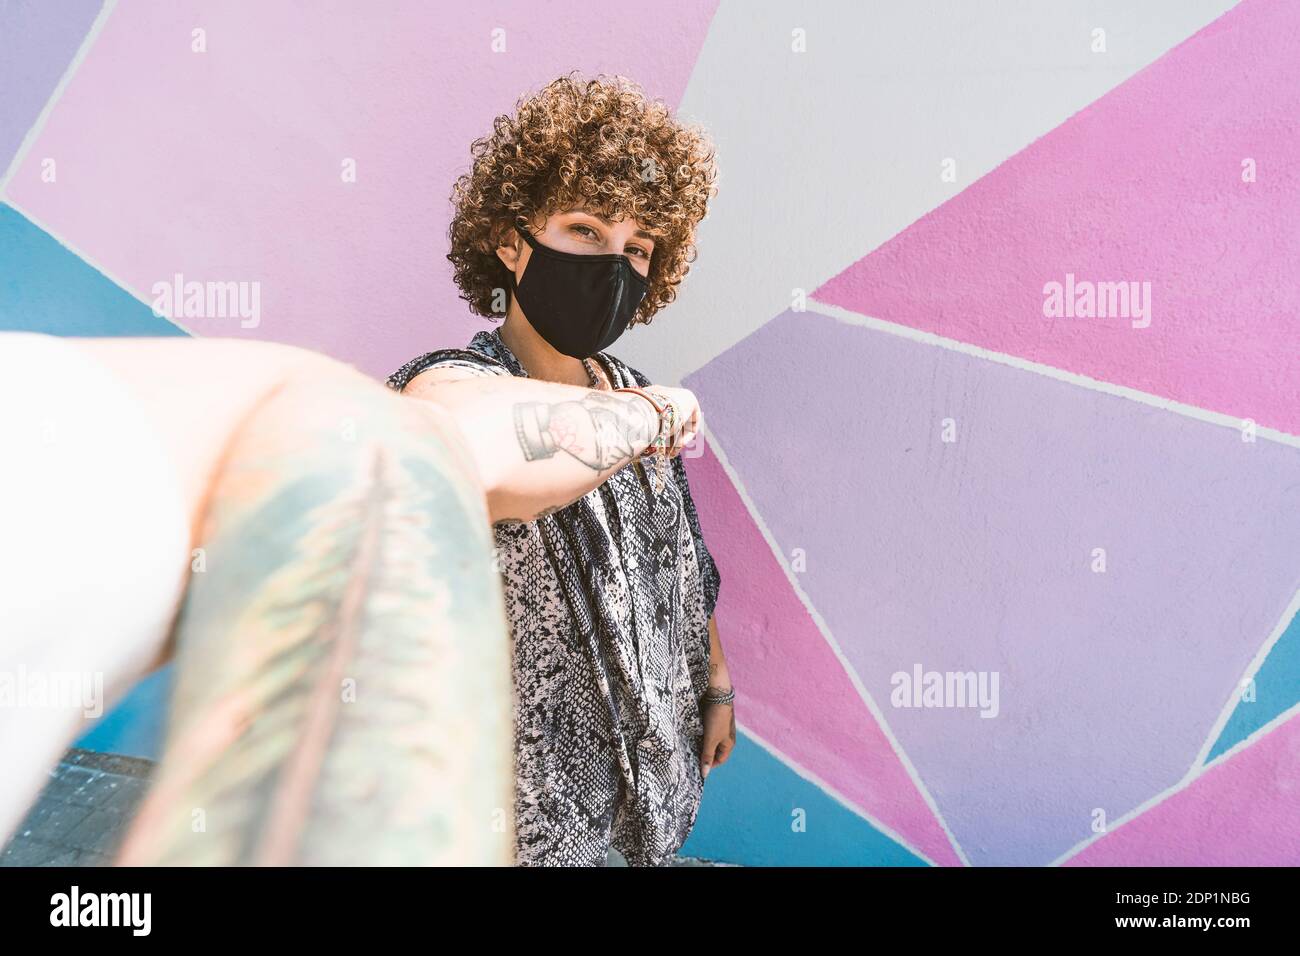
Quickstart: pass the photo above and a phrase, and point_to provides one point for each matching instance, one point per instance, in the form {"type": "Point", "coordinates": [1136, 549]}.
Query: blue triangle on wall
{"type": "Point", "coordinates": [751, 808]}
{"type": "Point", "coordinates": [46, 287]}
{"type": "Point", "coordinates": [1277, 689]}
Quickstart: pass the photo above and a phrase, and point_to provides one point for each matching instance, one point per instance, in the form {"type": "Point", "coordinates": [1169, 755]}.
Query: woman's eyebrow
{"type": "Point", "coordinates": [639, 234]}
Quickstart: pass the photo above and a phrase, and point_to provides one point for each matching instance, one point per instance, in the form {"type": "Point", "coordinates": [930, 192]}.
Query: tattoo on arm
{"type": "Point", "coordinates": [333, 650]}
{"type": "Point", "coordinates": [601, 431]}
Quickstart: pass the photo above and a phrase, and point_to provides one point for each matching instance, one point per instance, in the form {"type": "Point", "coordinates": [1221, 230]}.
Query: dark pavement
{"type": "Point", "coordinates": [82, 814]}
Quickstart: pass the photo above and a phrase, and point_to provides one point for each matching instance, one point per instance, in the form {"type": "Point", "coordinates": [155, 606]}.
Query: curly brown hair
{"type": "Point", "coordinates": [600, 144]}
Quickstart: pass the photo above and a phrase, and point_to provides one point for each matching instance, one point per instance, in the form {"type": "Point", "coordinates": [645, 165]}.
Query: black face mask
{"type": "Point", "coordinates": [579, 304]}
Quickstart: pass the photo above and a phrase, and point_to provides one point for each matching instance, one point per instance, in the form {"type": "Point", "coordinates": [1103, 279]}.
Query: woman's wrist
{"type": "Point", "coordinates": [718, 695]}
{"type": "Point", "coordinates": [659, 409]}
{"type": "Point", "coordinates": [720, 688]}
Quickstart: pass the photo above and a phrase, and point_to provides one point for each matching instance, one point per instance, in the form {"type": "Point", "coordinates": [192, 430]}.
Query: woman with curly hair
{"type": "Point", "coordinates": [577, 220]}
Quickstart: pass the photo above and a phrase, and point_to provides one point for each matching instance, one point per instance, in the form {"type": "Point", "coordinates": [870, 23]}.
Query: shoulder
{"type": "Point", "coordinates": [445, 365]}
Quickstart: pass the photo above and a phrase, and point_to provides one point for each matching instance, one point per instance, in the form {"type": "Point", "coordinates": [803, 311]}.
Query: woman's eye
{"type": "Point", "coordinates": [589, 233]}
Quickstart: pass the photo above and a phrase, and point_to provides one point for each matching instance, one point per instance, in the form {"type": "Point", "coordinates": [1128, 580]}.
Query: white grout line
{"type": "Point", "coordinates": [94, 265]}
{"type": "Point", "coordinates": [1251, 670]}
{"type": "Point", "coordinates": [1192, 776]}
{"type": "Point", "coordinates": [86, 43]}
{"type": "Point", "coordinates": [817, 619]}
{"type": "Point", "coordinates": [849, 317]}
{"type": "Point", "coordinates": [831, 792]}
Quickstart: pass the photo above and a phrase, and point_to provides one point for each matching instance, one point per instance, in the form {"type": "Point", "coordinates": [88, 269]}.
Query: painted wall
{"type": "Point", "coordinates": [914, 462]}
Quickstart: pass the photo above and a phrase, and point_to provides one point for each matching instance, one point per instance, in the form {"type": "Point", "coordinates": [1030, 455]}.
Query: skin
{"type": "Point", "coordinates": [580, 231]}
{"type": "Point", "coordinates": [562, 440]}
{"type": "Point", "coordinates": [335, 703]}
{"type": "Point", "coordinates": [719, 738]}
{"type": "Point", "coordinates": [198, 394]}
{"type": "Point", "coordinates": [328, 507]}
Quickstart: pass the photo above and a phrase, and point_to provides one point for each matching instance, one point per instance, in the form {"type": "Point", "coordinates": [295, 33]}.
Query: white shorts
{"type": "Point", "coordinates": [94, 545]}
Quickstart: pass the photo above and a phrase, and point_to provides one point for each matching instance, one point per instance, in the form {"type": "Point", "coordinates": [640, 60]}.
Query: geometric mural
{"type": "Point", "coordinates": [1273, 690]}
{"type": "Point", "coordinates": [1241, 811]}
{"type": "Point", "coordinates": [233, 168]}
{"type": "Point", "coordinates": [37, 42]}
{"type": "Point", "coordinates": [981, 555]}
{"type": "Point", "coordinates": [766, 815]}
{"type": "Point", "coordinates": [46, 287]}
{"type": "Point", "coordinates": [800, 695]}
{"type": "Point", "coordinates": [1007, 508]}
{"type": "Point", "coordinates": [1180, 185]}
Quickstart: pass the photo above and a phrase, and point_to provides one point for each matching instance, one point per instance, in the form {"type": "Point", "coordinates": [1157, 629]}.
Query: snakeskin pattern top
{"type": "Point", "coordinates": [609, 601]}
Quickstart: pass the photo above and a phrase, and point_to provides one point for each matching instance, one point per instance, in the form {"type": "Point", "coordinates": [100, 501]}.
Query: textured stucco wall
{"type": "Point", "coordinates": [909, 465]}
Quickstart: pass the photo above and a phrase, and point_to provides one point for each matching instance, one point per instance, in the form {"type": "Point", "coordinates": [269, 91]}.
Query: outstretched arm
{"type": "Point", "coordinates": [343, 678]}
{"type": "Point", "coordinates": [539, 445]}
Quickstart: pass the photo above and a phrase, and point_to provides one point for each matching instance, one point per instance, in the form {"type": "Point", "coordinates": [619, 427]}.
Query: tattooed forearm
{"type": "Point", "coordinates": [601, 431]}
{"type": "Point", "coordinates": [335, 703]}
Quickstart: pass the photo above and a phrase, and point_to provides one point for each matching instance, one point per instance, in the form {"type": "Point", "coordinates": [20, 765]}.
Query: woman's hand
{"type": "Point", "coordinates": [719, 737]}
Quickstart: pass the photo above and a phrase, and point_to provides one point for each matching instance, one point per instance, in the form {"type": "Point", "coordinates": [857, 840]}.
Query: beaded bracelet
{"type": "Point", "coordinates": [725, 698]}
{"type": "Point", "coordinates": [667, 422]}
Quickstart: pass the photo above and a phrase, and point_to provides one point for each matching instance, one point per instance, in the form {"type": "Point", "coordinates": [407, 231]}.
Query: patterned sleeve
{"type": "Point", "coordinates": [710, 578]}
{"type": "Point", "coordinates": [467, 359]}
